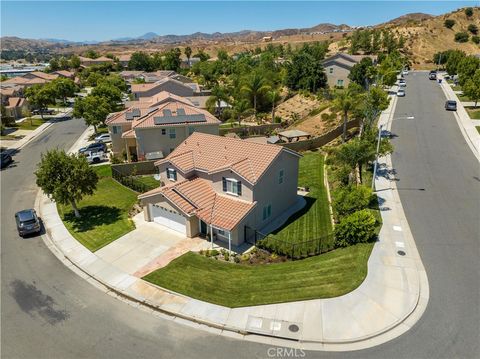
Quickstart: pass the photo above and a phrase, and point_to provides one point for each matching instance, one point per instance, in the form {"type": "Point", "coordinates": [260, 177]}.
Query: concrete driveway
{"type": "Point", "coordinates": [145, 245]}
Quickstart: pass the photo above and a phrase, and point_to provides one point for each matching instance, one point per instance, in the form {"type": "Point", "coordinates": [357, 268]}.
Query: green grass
{"type": "Point", "coordinates": [457, 88]}
{"type": "Point", "coordinates": [478, 129]}
{"type": "Point", "coordinates": [30, 124]}
{"type": "Point", "coordinates": [103, 170]}
{"type": "Point", "coordinates": [148, 181]}
{"type": "Point", "coordinates": [104, 214]}
{"type": "Point", "coordinates": [464, 98]}
{"type": "Point", "coordinates": [474, 113]}
{"type": "Point", "coordinates": [234, 285]}
{"type": "Point", "coordinates": [313, 221]}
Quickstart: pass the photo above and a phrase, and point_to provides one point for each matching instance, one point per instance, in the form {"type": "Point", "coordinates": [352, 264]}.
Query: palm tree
{"type": "Point", "coordinates": [188, 54]}
{"type": "Point", "coordinates": [254, 86]}
{"type": "Point", "coordinates": [217, 95]}
{"type": "Point", "coordinates": [240, 107]}
{"type": "Point", "coordinates": [345, 101]}
{"type": "Point", "coordinates": [273, 96]}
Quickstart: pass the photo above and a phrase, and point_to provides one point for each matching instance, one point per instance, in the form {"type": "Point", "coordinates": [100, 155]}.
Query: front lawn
{"type": "Point", "coordinates": [474, 113]}
{"type": "Point", "coordinates": [313, 221]}
{"type": "Point", "coordinates": [30, 123]}
{"type": "Point", "coordinates": [149, 181]}
{"type": "Point", "coordinates": [234, 285]}
{"type": "Point", "coordinates": [104, 214]}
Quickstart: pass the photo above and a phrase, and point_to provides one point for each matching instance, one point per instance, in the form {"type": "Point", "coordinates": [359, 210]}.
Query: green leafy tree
{"type": "Point", "coordinates": [53, 64]}
{"type": "Point", "coordinates": [93, 109]}
{"type": "Point", "coordinates": [347, 200]}
{"type": "Point", "coordinates": [40, 96]}
{"type": "Point", "coordinates": [453, 60]}
{"type": "Point", "coordinates": [66, 178]}
{"type": "Point", "coordinates": [461, 37]}
{"type": "Point", "coordinates": [345, 100]}
{"type": "Point", "coordinates": [476, 39]}
{"type": "Point", "coordinates": [202, 55]}
{"type": "Point", "coordinates": [273, 96]}
{"type": "Point", "coordinates": [63, 88]}
{"type": "Point", "coordinates": [140, 61]}
{"type": "Point", "coordinates": [172, 60]}
{"type": "Point", "coordinates": [188, 54]}
{"type": "Point", "coordinates": [472, 87]}
{"type": "Point", "coordinates": [240, 109]}
{"type": "Point", "coordinates": [363, 73]}
{"type": "Point", "coordinates": [75, 62]}
{"type": "Point", "coordinates": [358, 227]}
{"type": "Point", "coordinates": [449, 23]}
{"type": "Point", "coordinates": [467, 68]}
{"type": "Point", "coordinates": [110, 93]}
{"type": "Point", "coordinates": [217, 95]}
{"type": "Point", "coordinates": [374, 102]}
{"type": "Point", "coordinates": [254, 86]}
{"type": "Point", "coordinates": [304, 72]}
{"type": "Point", "coordinates": [92, 54]}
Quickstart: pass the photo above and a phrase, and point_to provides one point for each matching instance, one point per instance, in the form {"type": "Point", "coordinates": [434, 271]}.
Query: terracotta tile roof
{"type": "Point", "coordinates": [124, 57]}
{"type": "Point", "coordinates": [197, 197]}
{"type": "Point", "coordinates": [142, 87]}
{"type": "Point", "coordinates": [212, 154]}
{"type": "Point", "coordinates": [129, 134]}
{"type": "Point", "coordinates": [64, 73]}
{"type": "Point", "coordinates": [43, 75]}
{"type": "Point", "coordinates": [8, 91]}
{"type": "Point", "coordinates": [20, 80]}
{"type": "Point", "coordinates": [148, 121]}
{"type": "Point", "coordinates": [15, 102]}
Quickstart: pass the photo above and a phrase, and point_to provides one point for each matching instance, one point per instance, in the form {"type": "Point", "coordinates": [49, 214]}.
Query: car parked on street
{"type": "Point", "coordinates": [402, 83]}
{"type": "Point", "coordinates": [451, 105]}
{"type": "Point", "coordinates": [27, 222]}
{"type": "Point", "coordinates": [5, 159]}
{"type": "Point", "coordinates": [405, 72]}
{"type": "Point", "coordinates": [96, 147]}
{"type": "Point", "coordinates": [401, 93]}
{"type": "Point", "coordinates": [105, 138]}
{"type": "Point", "coordinates": [44, 111]}
{"type": "Point", "coordinates": [432, 75]}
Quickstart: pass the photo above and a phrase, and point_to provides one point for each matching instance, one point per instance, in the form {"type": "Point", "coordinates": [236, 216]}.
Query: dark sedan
{"type": "Point", "coordinates": [451, 105]}
{"type": "Point", "coordinates": [27, 222]}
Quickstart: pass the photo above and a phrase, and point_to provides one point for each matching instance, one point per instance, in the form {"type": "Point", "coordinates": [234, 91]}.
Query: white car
{"type": "Point", "coordinates": [402, 83]}
{"type": "Point", "coordinates": [105, 138]}
{"type": "Point", "coordinates": [405, 72]}
{"type": "Point", "coordinates": [401, 93]}
{"type": "Point", "coordinates": [95, 157]}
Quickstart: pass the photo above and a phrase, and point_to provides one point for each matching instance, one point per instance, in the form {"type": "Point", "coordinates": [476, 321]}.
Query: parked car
{"type": "Point", "coordinates": [44, 111]}
{"type": "Point", "coordinates": [96, 146]}
{"type": "Point", "coordinates": [405, 72]}
{"type": "Point", "coordinates": [27, 222]}
{"type": "Point", "coordinates": [432, 75]}
{"type": "Point", "coordinates": [401, 93]}
{"type": "Point", "coordinates": [105, 138]}
{"type": "Point", "coordinates": [95, 156]}
{"type": "Point", "coordinates": [5, 159]}
{"type": "Point", "coordinates": [451, 105]}
{"type": "Point", "coordinates": [402, 83]}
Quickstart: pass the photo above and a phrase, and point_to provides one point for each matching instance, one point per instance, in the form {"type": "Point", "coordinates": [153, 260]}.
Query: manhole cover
{"type": "Point", "coordinates": [402, 253]}
{"type": "Point", "coordinates": [293, 328]}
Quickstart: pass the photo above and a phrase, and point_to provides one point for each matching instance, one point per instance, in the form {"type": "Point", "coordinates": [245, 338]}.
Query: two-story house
{"type": "Point", "coordinates": [220, 185]}
{"type": "Point", "coordinates": [338, 67]}
{"type": "Point", "coordinates": [168, 84]}
{"type": "Point", "coordinates": [154, 128]}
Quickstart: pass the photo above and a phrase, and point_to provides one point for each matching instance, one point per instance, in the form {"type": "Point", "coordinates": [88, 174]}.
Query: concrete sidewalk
{"type": "Point", "coordinates": [13, 146]}
{"type": "Point", "coordinates": [467, 126]}
{"type": "Point", "coordinates": [389, 302]}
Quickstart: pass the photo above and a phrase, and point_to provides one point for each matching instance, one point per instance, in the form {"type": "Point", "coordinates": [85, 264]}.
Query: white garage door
{"type": "Point", "coordinates": [169, 219]}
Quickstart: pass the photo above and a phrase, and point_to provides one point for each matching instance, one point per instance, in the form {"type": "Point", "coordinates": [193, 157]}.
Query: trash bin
{"type": "Point", "coordinates": [439, 81]}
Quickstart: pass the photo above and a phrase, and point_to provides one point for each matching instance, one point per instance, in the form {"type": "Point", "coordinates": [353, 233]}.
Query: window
{"type": "Point", "coordinates": [267, 212]}
{"type": "Point", "coordinates": [281, 176]}
{"type": "Point", "coordinates": [164, 131]}
{"type": "Point", "coordinates": [116, 129]}
{"type": "Point", "coordinates": [232, 186]}
{"type": "Point", "coordinates": [221, 232]}
{"type": "Point", "coordinates": [331, 70]}
{"type": "Point", "coordinates": [172, 133]}
{"type": "Point", "coordinates": [339, 82]}
{"type": "Point", "coordinates": [171, 174]}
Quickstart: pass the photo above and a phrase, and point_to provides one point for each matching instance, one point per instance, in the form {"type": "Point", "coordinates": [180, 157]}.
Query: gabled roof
{"type": "Point", "coordinates": [15, 102]}
{"type": "Point", "coordinates": [197, 197]}
{"type": "Point", "coordinates": [210, 153]}
{"type": "Point", "coordinates": [64, 73]}
{"type": "Point", "coordinates": [98, 59]}
{"type": "Point", "coordinates": [20, 80]}
{"type": "Point", "coordinates": [42, 75]}
{"type": "Point", "coordinates": [136, 88]}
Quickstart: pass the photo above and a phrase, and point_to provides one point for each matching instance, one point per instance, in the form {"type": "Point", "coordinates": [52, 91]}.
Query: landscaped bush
{"type": "Point", "coordinates": [351, 199]}
{"type": "Point", "coordinates": [449, 23]}
{"type": "Point", "coordinates": [461, 37]}
{"type": "Point", "coordinates": [358, 227]}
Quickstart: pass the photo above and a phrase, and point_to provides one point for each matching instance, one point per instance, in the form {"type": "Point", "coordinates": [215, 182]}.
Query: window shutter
{"type": "Point", "coordinates": [175, 175]}
{"type": "Point", "coordinates": [239, 188]}
{"type": "Point", "coordinates": [224, 182]}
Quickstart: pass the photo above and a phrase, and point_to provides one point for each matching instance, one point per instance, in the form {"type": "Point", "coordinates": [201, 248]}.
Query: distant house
{"type": "Point", "coordinates": [124, 59]}
{"type": "Point", "coordinates": [29, 79]}
{"type": "Point", "coordinates": [222, 186]}
{"type": "Point", "coordinates": [16, 107]}
{"type": "Point", "coordinates": [65, 74]}
{"type": "Point", "coordinates": [267, 39]}
{"type": "Point", "coordinates": [154, 128]}
{"type": "Point", "coordinates": [338, 66]}
{"type": "Point", "coordinates": [166, 84]}
{"type": "Point", "coordinates": [86, 61]}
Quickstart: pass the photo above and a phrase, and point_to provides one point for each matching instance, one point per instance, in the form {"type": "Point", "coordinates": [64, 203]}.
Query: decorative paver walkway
{"type": "Point", "coordinates": [392, 298]}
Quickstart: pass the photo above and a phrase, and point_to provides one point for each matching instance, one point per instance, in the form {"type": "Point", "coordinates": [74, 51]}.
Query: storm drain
{"type": "Point", "coordinates": [402, 253]}
{"type": "Point", "coordinates": [272, 327]}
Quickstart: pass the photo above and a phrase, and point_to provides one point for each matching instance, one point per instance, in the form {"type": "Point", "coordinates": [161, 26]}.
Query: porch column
{"type": "Point", "coordinates": [230, 241]}
{"type": "Point", "coordinates": [211, 235]}
{"type": "Point", "coordinates": [127, 150]}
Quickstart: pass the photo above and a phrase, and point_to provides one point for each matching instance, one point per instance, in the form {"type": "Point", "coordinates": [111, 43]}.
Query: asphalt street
{"type": "Point", "coordinates": [47, 311]}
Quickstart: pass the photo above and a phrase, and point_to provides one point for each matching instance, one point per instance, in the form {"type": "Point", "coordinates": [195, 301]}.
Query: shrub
{"type": "Point", "coordinates": [469, 11]}
{"type": "Point", "coordinates": [358, 227]}
{"type": "Point", "coordinates": [351, 199]}
{"type": "Point", "coordinates": [236, 259]}
{"type": "Point", "coordinates": [473, 29]}
{"type": "Point", "coordinates": [461, 37]}
{"type": "Point", "coordinates": [449, 23]}
{"type": "Point", "coordinates": [476, 39]}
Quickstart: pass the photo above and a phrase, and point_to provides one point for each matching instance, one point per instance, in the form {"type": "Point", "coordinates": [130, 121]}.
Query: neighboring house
{"type": "Point", "coordinates": [65, 74]}
{"type": "Point", "coordinates": [85, 61]}
{"type": "Point", "coordinates": [130, 75]}
{"type": "Point", "coordinates": [124, 59]}
{"type": "Point", "coordinates": [154, 128]}
{"type": "Point", "coordinates": [16, 107]}
{"type": "Point", "coordinates": [166, 84]}
{"type": "Point", "coordinates": [338, 66]}
{"type": "Point", "coordinates": [222, 186]}
{"type": "Point", "coordinates": [29, 79]}
{"type": "Point", "coordinates": [7, 92]}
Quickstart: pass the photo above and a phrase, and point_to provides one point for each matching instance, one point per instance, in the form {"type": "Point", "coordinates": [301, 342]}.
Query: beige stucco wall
{"type": "Point", "coordinates": [339, 73]}
{"type": "Point", "coordinates": [118, 143]}
{"type": "Point", "coordinates": [152, 140]}
{"type": "Point", "coordinates": [217, 183]}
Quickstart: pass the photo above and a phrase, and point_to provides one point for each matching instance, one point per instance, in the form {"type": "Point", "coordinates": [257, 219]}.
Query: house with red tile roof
{"type": "Point", "coordinates": [165, 84]}
{"type": "Point", "coordinates": [16, 107]}
{"type": "Point", "coordinates": [219, 186]}
{"type": "Point", "coordinates": [154, 127]}
{"type": "Point", "coordinates": [86, 61]}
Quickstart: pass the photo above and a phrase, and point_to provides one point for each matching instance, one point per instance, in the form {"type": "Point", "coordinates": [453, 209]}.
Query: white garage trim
{"type": "Point", "coordinates": [168, 218]}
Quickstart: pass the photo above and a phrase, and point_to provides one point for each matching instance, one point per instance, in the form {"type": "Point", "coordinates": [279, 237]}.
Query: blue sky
{"type": "Point", "coordinates": [88, 20]}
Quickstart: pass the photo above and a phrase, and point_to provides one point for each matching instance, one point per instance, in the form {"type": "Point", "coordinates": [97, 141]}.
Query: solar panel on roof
{"type": "Point", "coordinates": [128, 116]}
{"type": "Point", "coordinates": [136, 112]}
{"type": "Point", "coordinates": [180, 112]}
{"type": "Point", "coordinates": [167, 112]}
{"type": "Point", "coordinates": [163, 120]}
